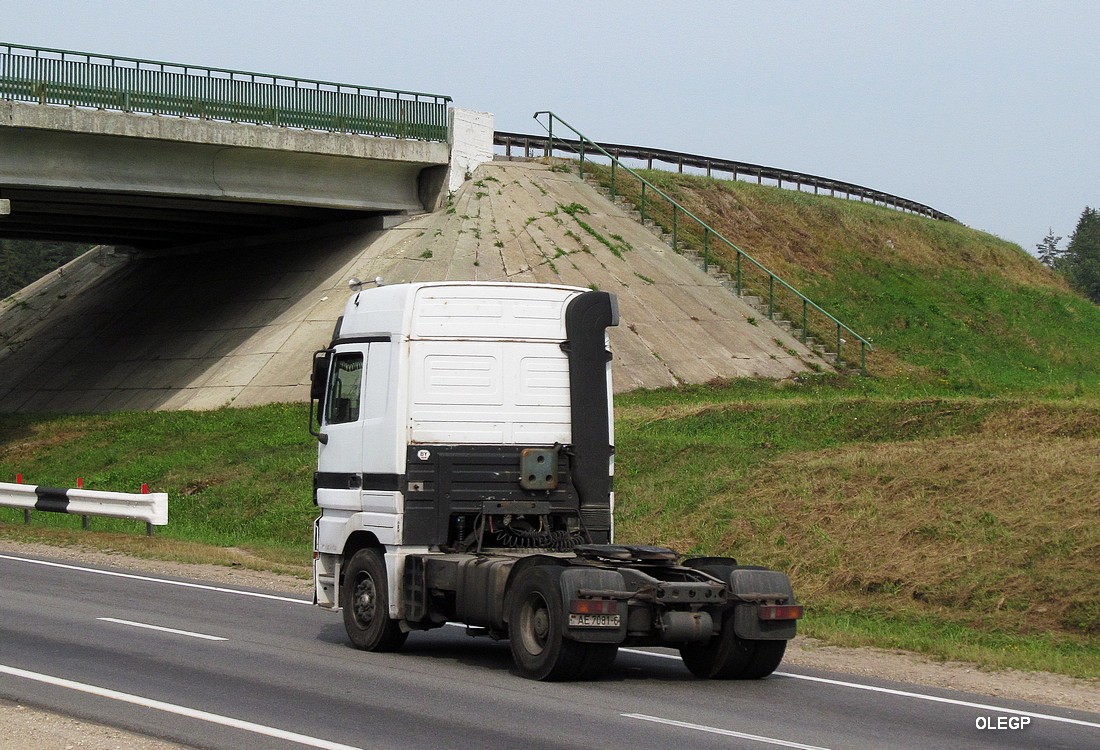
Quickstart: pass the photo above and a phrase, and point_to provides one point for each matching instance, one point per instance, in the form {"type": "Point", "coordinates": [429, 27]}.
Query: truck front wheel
{"type": "Point", "coordinates": [536, 628]}
{"type": "Point", "coordinates": [728, 657]}
{"type": "Point", "coordinates": [366, 604]}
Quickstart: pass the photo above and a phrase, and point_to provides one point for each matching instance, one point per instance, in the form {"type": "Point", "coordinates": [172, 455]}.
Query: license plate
{"type": "Point", "coordinates": [594, 621]}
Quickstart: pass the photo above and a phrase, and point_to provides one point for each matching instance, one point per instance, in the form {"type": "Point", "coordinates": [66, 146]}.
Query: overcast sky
{"type": "Point", "coordinates": [987, 111]}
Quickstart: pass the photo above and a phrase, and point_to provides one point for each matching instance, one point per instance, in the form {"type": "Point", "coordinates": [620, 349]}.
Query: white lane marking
{"type": "Point", "coordinates": [724, 732]}
{"type": "Point", "coordinates": [151, 579]}
{"type": "Point", "coordinates": [658, 654]}
{"type": "Point", "coordinates": [938, 699]}
{"type": "Point", "coordinates": [162, 629]}
{"type": "Point", "coordinates": [900, 693]}
{"type": "Point", "coordinates": [191, 713]}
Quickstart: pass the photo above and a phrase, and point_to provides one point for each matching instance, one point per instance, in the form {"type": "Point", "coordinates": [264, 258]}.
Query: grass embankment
{"type": "Point", "coordinates": [944, 305]}
{"type": "Point", "coordinates": [958, 527]}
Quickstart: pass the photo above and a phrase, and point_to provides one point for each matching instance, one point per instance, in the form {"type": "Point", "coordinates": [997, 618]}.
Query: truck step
{"type": "Point", "coordinates": [325, 590]}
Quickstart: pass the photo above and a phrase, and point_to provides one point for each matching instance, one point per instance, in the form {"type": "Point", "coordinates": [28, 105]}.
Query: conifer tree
{"type": "Point", "coordinates": [1081, 260]}
{"type": "Point", "coordinates": [1049, 252]}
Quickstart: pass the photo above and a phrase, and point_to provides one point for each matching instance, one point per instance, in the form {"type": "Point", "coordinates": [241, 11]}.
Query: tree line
{"type": "Point", "coordinates": [1078, 261]}
{"type": "Point", "coordinates": [25, 261]}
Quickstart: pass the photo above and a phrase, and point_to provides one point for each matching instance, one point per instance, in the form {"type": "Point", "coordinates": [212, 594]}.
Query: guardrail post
{"type": "Point", "coordinates": [706, 248]}
{"type": "Point", "coordinates": [804, 305]}
{"type": "Point", "coordinates": [771, 296]}
{"type": "Point", "coordinates": [642, 210]}
{"type": "Point", "coordinates": [26, 511]}
{"type": "Point", "coordinates": [148, 524]}
{"type": "Point", "coordinates": [862, 359]}
{"type": "Point", "coordinates": [83, 517]}
{"type": "Point", "coordinates": [838, 340]}
{"type": "Point", "coordinates": [581, 169]}
{"type": "Point", "coordinates": [550, 137]}
{"type": "Point", "coordinates": [740, 290]}
{"type": "Point", "coordinates": [612, 178]}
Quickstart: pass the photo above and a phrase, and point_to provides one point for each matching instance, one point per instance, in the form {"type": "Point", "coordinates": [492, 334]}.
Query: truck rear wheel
{"type": "Point", "coordinates": [728, 657]}
{"type": "Point", "coordinates": [536, 629]}
{"type": "Point", "coordinates": [366, 604]}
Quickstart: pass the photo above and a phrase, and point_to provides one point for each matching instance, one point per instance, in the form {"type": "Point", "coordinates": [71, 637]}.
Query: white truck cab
{"type": "Point", "coordinates": [464, 473]}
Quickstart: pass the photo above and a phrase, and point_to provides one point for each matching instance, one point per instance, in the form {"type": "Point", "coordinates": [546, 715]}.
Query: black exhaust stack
{"type": "Point", "coordinates": [587, 316]}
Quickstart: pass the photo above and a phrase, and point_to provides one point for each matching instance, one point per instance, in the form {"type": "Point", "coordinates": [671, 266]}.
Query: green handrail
{"type": "Point", "coordinates": [677, 209]}
{"type": "Point", "coordinates": [85, 79]}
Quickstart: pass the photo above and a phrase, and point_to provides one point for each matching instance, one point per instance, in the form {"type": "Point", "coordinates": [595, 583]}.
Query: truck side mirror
{"type": "Point", "coordinates": [320, 374]}
{"type": "Point", "coordinates": [317, 385]}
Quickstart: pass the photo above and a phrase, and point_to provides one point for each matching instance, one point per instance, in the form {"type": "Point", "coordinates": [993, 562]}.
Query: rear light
{"type": "Point", "coordinates": [779, 611]}
{"type": "Point", "coordinates": [594, 607]}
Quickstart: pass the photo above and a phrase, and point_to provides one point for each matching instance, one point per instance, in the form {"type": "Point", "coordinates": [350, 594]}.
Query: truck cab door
{"type": "Point", "coordinates": [340, 452]}
{"type": "Point", "coordinates": [356, 459]}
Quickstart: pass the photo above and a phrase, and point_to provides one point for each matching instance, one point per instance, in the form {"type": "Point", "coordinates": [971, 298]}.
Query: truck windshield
{"type": "Point", "coordinates": [344, 389]}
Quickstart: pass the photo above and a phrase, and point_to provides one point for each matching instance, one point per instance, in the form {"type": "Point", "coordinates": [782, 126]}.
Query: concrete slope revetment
{"type": "Point", "coordinates": [120, 332]}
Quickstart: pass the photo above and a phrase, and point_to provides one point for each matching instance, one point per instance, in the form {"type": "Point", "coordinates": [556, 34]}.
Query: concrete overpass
{"type": "Point", "coordinates": [157, 182]}
{"type": "Point", "coordinates": [158, 155]}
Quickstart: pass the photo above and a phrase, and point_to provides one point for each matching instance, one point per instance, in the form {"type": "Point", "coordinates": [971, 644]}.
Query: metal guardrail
{"type": "Point", "coordinates": [736, 169]}
{"type": "Point", "coordinates": [151, 507]}
{"type": "Point", "coordinates": [85, 79]}
{"type": "Point", "coordinates": [583, 143]}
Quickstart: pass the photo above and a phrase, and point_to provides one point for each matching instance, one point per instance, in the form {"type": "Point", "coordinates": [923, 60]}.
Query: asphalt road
{"type": "Point", "coordinates": [216, 667]}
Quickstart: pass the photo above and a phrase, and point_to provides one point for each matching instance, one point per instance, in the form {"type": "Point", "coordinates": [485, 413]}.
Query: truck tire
{"type": "Point", "coordinates": [728, 657]}
{"type": "Point", "coordinates": [536, 628]}
{"type": "Point", "coordinates": [366, 604]}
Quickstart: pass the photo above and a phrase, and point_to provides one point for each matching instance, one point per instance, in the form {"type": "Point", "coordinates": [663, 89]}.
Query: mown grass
{"type": "Point", "coordinates": [947, 525]}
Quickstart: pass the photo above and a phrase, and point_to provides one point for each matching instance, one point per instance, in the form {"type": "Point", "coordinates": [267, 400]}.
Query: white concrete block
{"type": "Point", "coordinates": [472, 134]}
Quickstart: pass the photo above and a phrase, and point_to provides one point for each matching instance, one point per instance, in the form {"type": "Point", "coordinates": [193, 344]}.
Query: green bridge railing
{"type": "Point", "coordinates": [678, 219]}
{"type": "Point", "coordinates": [83, 79]}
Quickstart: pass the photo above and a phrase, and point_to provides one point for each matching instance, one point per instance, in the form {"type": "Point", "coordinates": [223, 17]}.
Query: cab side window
{"type": "Point", "coordinates": [345, 389]}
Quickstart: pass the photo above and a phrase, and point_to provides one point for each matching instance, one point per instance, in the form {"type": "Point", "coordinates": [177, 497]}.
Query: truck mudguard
{"type": "Point", "coordinates": [757, 586]}
{"type": "Point", "coordinates": [573, 580]}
